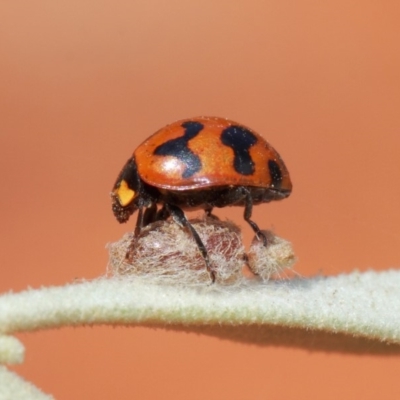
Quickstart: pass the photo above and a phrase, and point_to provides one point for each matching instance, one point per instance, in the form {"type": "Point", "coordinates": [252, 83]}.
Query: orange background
{"type": "Point", "coordinates": [83, 83]}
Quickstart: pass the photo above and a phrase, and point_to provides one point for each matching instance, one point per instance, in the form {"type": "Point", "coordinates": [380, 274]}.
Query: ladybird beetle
{"type": "Point", "coordinates": [199, 163]}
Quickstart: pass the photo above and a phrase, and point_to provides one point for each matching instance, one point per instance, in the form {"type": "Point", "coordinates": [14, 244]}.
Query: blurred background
{"type": "Point", "coordinates": [83, 83]}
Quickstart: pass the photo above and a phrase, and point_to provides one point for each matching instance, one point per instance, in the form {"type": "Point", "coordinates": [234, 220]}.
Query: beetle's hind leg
{"type": "Point", "coordinates": [248, 209]}
{"type": "Point", "coordinates": [179, 217]}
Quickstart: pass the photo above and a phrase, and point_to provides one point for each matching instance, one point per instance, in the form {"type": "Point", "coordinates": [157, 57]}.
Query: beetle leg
{"type": "Point", "coordinates": [139, 222]}
{"type": "Point", "coordinates": [180, 218]}
{"type": "Point", "coordinates": [150, 215]}
{"type": "Point", "coordinates": [248, 208]}
{"type": "Point", "coordinates": [138, 229]}
{"type": "Point", "coordinates": [209, 214]}
{"type": "Point", "coordinates": [162, 214]}
{"type": "Point", "coordinates": [143, 219]}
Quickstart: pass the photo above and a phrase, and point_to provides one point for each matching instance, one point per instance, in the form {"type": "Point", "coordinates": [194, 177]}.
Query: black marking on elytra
{"type": "Point", "coordinates": [179, 148]}
{"type": "Point", "coordinates": [240, 140]}
{"type": "Point", "coordinates": [275, 173]}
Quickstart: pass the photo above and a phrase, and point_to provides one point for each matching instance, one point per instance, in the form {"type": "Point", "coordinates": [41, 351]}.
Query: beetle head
{"type": "Point", "coordinates": [128, 192]}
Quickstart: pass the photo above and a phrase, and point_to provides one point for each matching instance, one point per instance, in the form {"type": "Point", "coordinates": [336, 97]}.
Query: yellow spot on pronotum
{"type": "Point", "coordinates": [124, 193]}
